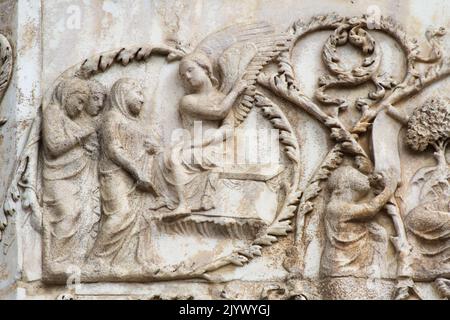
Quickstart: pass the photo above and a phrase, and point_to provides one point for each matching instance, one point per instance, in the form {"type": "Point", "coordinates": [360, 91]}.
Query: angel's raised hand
{"type": "Point", "coordinates": [241, 85]}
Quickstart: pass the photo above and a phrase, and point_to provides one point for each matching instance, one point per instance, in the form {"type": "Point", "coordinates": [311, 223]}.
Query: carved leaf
{"type": "Point", "coordinates": [233, 63]}
{"type": "Point", "coordinates": [265, 240]}
{"type": "Point", "coordinates": [124, 56]}
{"type": "Point", "coordinates": [311, 191]}
{"type": "Point", "coordinates": [6, 64]}
{"type": "Point", "coordinates": [428, 124]}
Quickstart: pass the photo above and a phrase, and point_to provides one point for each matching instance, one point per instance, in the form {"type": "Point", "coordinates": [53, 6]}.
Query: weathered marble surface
{"type": "Point", "coordinates": [93, 199]}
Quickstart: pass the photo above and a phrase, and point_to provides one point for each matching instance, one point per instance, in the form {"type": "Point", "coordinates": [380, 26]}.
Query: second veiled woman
{"type": "Point", "coordinates": [126, 163]}
{"type": "Point", "coordinates": [66, 167]}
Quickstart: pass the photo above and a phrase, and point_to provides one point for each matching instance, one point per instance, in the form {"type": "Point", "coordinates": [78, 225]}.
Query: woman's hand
{"type": "Point", "coordinates": [151, 147]}
{"type": "Point", "coordinates": [87, 130]}
{"type": "Point", "coordinates": [241, 85]}
{"type": "Point", "coordinates": [384, 181]}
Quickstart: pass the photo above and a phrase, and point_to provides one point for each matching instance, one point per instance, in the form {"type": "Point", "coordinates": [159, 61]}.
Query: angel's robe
{"type": "Point", "coordinates": [67, 175]}
{"type": "Point", "coordinates": [197, 163]}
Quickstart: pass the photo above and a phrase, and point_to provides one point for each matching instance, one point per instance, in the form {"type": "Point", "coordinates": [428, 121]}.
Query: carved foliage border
{"type": "Point", "coordinates": [6, 68]}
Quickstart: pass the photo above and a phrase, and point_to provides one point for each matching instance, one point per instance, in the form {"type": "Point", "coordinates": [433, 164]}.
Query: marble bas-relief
{"type": "Point", "coordinates": [233, 194]}
{"type": "Point", "coordinates": [6, 67]}
{"type": "Point", "coordinates": [66, 168]}
{"type": "Point", "coordinates": [428, 219]}
{"type": "Point", "coordinates": [144, 188]}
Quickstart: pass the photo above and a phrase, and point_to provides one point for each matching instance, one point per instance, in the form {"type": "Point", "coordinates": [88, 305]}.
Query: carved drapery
{"type": "Point", "coordinates": [142, 186]}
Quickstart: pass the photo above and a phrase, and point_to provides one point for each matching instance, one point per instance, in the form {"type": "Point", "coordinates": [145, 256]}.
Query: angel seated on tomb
{"type": "Point", "coordinates": [213, 104]}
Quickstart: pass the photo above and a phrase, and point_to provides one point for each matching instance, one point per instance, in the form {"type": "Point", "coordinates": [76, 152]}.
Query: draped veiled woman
{"type": "Point", "coordinates": [354, 241]}
{"type": "Point", "coordinates": [125, 174]}
{"type": "Point", "coordinates": [66, 167]}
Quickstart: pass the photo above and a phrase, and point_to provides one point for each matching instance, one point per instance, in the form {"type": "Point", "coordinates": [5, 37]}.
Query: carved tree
{"type": "Point", "coordinates": [422, 70]}
{"type": "Point", "coordinates": [429, 221]}
{"type": "Point", "coordinates": [429, 125]}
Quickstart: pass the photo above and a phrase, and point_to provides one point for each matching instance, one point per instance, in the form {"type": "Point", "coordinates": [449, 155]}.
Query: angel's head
{"type": "Point", "coordinates": [196, 71]}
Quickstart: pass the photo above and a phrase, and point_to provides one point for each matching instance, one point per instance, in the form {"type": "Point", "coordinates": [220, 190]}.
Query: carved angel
{"type": "Point", "coordinates": [222, 68]}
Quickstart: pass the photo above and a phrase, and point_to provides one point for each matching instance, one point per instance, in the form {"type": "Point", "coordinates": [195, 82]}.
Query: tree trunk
{"type": "Point", "coordinates": [439, 154]}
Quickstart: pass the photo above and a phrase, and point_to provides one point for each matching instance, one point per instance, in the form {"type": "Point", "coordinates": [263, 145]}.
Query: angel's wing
{"type": "Point", "coordinates": [215, 44]}
{"type": "Point", "coordinates": [264, 50]}
{"type": "Point", "coordinates": [6, 62]}
{"type": "Point", "coordinates": [241, 51]}
{"type": "Point", "coordinates": [234, 62]}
